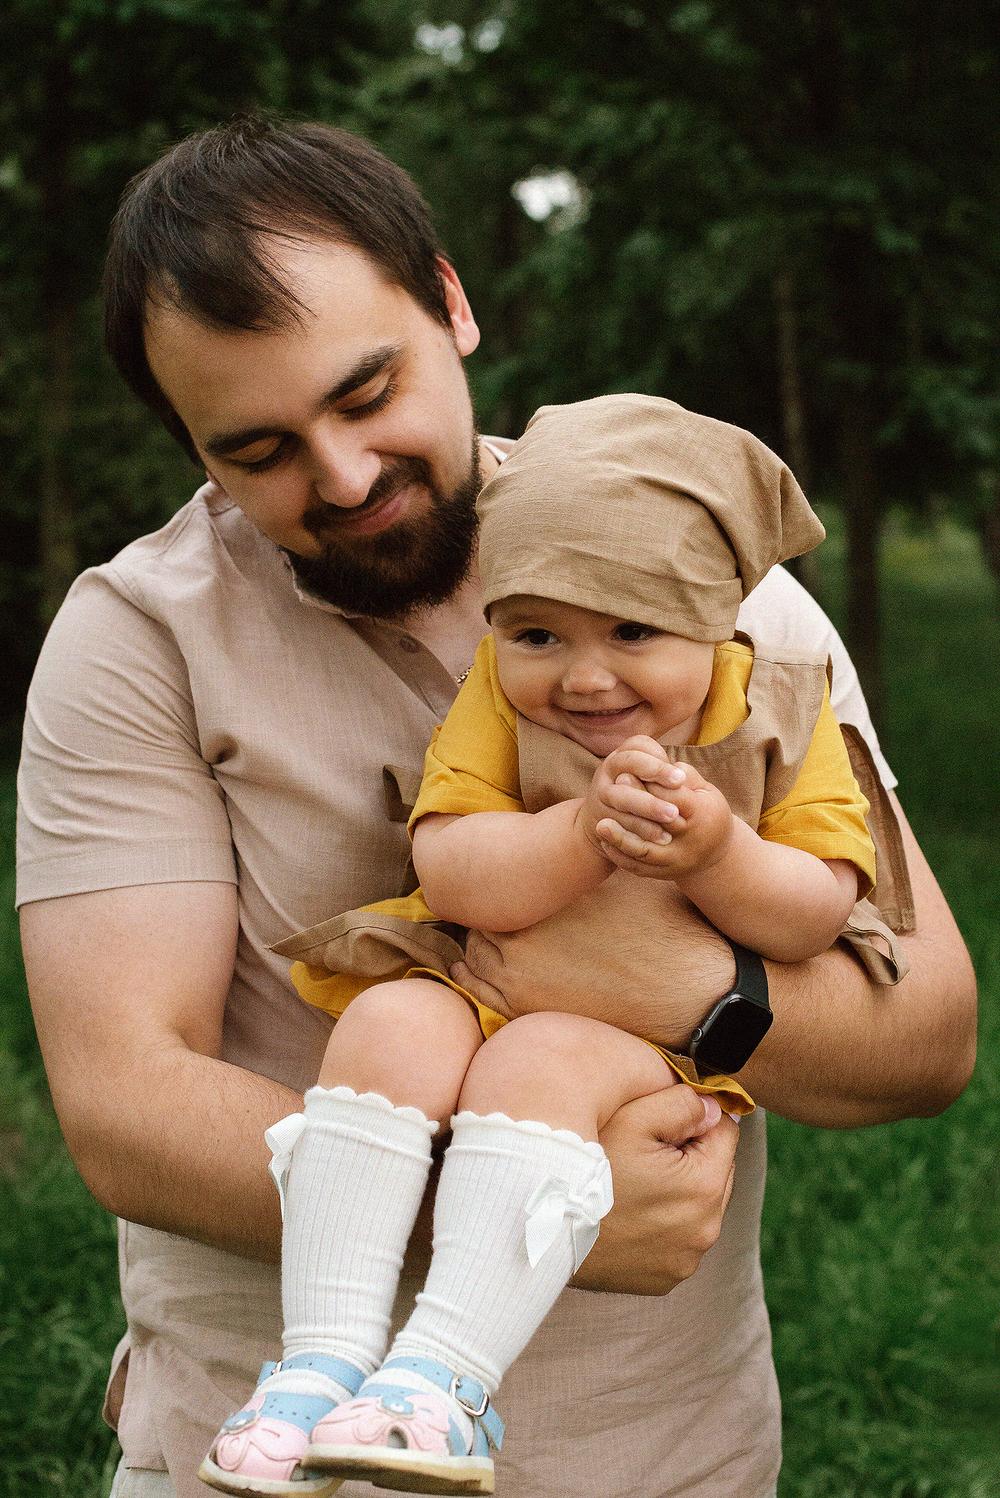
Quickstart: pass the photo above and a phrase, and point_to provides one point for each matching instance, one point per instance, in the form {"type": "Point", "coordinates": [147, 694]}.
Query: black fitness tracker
{"type": "Point", "coordinates": [735, 1026]}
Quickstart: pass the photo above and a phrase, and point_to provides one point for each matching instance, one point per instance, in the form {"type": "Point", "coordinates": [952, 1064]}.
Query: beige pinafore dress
{"type": "Point", "coordinates": [755, 766]}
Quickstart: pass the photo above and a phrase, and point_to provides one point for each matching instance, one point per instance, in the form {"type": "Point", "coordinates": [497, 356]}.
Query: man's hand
{"type": "Point", "coordinates": [672, 1160]}
{"type": "Point", "coordinates": [663, 820]}
{"type": "Point", "coordinates": [660, 987]}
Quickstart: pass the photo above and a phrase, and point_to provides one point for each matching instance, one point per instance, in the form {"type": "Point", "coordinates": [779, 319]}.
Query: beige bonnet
{"type": "Point", "coordinates": [632, 506]}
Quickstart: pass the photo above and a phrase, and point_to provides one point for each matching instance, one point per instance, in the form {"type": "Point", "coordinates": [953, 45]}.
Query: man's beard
{"type": "Point", "coordinates": [414, 564]}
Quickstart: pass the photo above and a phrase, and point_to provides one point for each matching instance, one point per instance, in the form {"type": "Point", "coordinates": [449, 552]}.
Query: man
{"type": "Point", "coordinates": [221, 734]}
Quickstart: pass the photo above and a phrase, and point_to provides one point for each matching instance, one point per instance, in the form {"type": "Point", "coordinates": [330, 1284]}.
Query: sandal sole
{"type": "Point", "coordinates": [407, 1471]}
{"type": "Point", "coordinates": [266, 1487]}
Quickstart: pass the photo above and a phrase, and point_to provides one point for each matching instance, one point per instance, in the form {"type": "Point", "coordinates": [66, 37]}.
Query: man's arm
{"type": "Point", "coordinates": [843, 1051]}
{"type": "Point", "coordinates": [128, 988]}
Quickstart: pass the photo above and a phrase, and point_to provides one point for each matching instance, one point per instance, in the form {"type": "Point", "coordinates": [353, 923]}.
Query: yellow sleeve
{"type": "Point", "coordinates": [824, 812]}
{"type": "Point", "coordinates": [471, 764]}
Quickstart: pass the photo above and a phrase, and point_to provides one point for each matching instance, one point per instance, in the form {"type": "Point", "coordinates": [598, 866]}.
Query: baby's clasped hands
{"type": "Point", "coordinates": [653, 817]}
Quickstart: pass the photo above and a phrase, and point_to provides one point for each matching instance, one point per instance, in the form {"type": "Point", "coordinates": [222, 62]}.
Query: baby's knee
{"type": "Point", "coordinates": [413, 1011]}
{"type": "Point", "coordinates": [541, 1044]}
{"type": "Point", "coordinates": [410, 1040]}
{"type": "Point", "coordinates": [579, 1063]}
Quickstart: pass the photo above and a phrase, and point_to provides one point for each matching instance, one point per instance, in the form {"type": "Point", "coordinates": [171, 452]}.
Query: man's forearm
{"type": "Point", "coordinates": [188, 1154]}
{"type": "Point", "coordinates": [844, 1051]}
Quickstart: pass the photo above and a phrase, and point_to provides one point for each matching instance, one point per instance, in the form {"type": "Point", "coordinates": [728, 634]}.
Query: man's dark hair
{"type": "Point", "coordinates": [191, 231]}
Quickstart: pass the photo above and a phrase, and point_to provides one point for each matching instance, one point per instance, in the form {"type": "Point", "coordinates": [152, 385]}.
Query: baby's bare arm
{"type": "Point", "coordinates": [502, 871]}
{"type": "Point", "coordinates": [783, 903]}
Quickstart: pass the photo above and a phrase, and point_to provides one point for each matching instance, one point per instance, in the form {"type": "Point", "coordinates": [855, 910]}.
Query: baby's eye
{"type": "Point", "coordinates": [631, 632]}
{"type": "Point", "coordinates": [535, 637]}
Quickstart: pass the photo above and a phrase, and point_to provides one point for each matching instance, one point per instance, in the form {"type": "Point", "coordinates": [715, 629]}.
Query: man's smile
{"type": "Point", "coordinates": [371, 518]}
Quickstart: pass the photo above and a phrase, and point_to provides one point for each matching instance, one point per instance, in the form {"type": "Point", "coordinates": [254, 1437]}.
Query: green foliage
{"type": "Point", "coordinates": [60, 1320]}
{"type": "Point", "coordinates": [718, 151]}
{"type": "Point", "coordinates": [89, 94]}
{"type": "Point", "coordinates": [880, 1245]}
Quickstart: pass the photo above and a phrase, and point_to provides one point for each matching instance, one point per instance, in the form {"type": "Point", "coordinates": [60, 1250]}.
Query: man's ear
{"type": "Point", "coordinates": [463, 324]}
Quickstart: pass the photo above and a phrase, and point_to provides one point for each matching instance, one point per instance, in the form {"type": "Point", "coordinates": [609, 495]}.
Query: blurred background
{"type": "Point", "coordinates": [786, 215]}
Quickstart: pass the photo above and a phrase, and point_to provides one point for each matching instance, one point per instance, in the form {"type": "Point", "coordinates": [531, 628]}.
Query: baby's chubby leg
{"type": "Point", "coordinates": [390, 1080]}
{"type": "Point", "coordinates": [524, 1186]}
{"type": "Point", "coordinates": [353, 1167]}
{"type": "Point", "coordinates": [565, 1070]}
{"type": "Point", "coordinates": [410, 1041]}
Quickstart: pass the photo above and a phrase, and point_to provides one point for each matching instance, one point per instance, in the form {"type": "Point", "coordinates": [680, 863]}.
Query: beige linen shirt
{"type": "Point", "coordinates": [193, 717]}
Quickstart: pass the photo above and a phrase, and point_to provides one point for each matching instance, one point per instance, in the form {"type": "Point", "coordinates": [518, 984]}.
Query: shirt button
{"type": "Point", "coordinates": [410, 645]}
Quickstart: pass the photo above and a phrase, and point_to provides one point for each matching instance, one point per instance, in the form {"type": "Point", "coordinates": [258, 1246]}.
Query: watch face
{"type": "Point", "coordinates": [732, 1033]}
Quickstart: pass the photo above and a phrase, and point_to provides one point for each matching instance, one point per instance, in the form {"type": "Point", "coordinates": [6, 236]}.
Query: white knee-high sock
{"type": "Point", "coordinates": [357, 1176]}
{"type": "Point", "coordinates": [517, 1210]}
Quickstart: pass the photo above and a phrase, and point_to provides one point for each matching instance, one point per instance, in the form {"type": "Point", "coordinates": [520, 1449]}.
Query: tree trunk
{"type": "Point", "coordinates": [509, 337]}
{"type": "Point", "coordinates": [864, 526]}
{"type": "Point", "coordinates": [57, 551]}
{"type": "Point", "coordinates": [988, 525]}
{"type": "Point", "coordinates": [805, 568]}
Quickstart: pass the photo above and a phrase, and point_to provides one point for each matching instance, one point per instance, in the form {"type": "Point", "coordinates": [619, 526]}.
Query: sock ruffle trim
{"type": "Point", "coordinates": [467, 1120]}
{"type": "Point", "coordinates": [318, 1096]}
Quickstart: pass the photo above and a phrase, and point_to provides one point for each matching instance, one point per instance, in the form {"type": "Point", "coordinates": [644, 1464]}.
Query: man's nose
{"type": "Point", "coordinates": [585, 675]}
{"type": "Point", "coordinates": [343, 470]}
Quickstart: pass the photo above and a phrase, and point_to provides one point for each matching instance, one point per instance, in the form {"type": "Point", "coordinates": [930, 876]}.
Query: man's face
{"type": "Point", "coordinates": [346, 438]}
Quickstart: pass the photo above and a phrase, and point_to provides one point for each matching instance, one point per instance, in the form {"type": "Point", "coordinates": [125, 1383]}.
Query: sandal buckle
{"type": "Point", "coordinates": [465, 1404]}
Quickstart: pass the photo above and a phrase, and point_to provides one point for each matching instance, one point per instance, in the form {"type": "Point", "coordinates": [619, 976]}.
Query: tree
{"type": "Point", "coordinates": [88, 95]}
{"type": "Point", "coordinates": [790, 220]}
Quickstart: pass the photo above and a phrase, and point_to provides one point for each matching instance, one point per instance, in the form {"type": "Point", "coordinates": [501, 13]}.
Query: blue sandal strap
{"type": "Point", "coordinates": [339, 1369]}
{"type": "Point", "coordinates": [300, 1409]}
{"type": "Point", "coordinates": [467, 1391]}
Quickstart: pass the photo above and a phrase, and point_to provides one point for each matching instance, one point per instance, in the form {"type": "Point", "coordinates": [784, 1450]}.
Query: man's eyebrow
{"type": "Point", "coordinates": [364, 370]}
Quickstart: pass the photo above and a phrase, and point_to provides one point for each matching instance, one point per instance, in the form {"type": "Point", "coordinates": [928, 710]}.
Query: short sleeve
{"type": "Point", "coordinates": [471, 764]}
{"type": "Point", "coordinates": [112, 787]}
{"type": "Point", "coordinates": [824, 812]}
{"type": "Point", "coordinates": [780, 613]}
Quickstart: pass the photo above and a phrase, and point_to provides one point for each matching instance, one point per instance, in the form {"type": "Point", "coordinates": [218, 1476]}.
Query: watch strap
{"type": "Point", "coordinates": [751, 978]}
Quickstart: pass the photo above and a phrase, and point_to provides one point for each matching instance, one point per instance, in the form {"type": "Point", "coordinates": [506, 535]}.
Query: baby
{"type": "Point", "coordinates": [590, 756]}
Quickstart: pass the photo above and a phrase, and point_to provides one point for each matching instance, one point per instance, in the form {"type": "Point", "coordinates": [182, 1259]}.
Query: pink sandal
{"type": "Point", "coordinates": [259, 1450]}
{"type": "Point", "coordinates": [409, 1439]}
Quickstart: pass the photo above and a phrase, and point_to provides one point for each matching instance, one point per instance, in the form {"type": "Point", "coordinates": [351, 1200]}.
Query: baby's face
{"type": "Point", "coordinates": [598, 679]}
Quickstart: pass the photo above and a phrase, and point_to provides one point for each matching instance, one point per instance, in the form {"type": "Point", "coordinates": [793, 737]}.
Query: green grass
{"type": "Point", "coordinates": [881, 1247]}
{"type": "Point", "coordinates": [60, 1314]}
